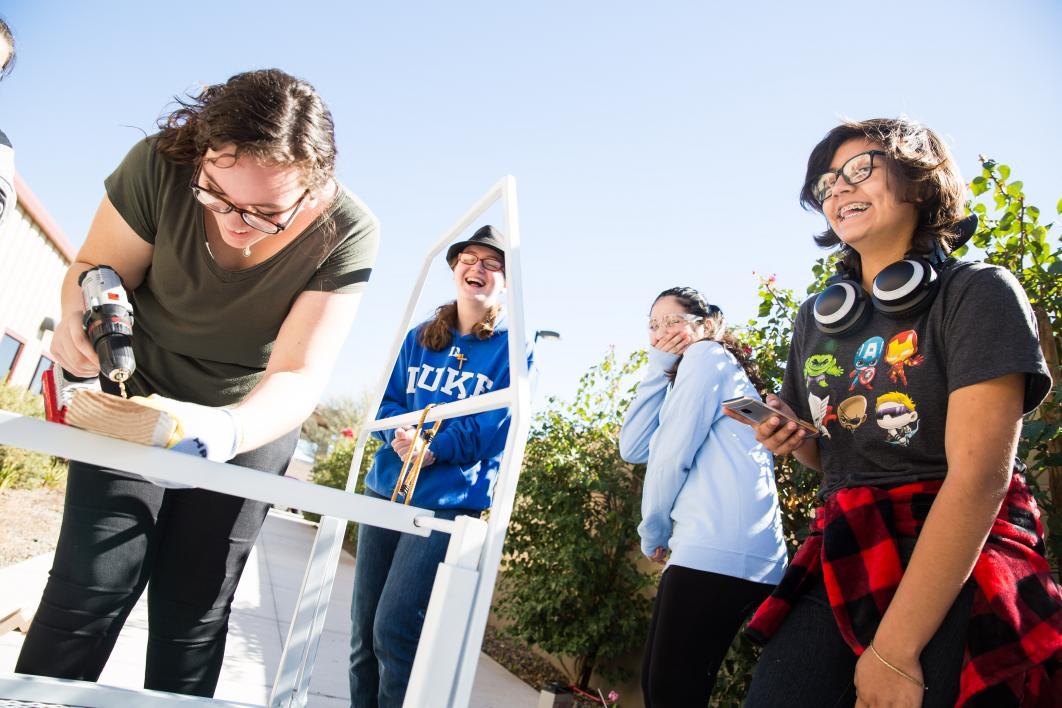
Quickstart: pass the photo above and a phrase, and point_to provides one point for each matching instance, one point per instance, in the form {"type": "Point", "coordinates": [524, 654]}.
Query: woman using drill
{"type": "Point", "coordinates": [245, 260]}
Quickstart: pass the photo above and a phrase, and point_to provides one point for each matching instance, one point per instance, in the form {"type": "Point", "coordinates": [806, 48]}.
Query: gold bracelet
{"type": "Point", "coordinates": [901, 672]}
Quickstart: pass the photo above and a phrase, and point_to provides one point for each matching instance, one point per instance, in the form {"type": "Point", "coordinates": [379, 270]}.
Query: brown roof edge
{"type": "Point", "coordinates": [33, 206]}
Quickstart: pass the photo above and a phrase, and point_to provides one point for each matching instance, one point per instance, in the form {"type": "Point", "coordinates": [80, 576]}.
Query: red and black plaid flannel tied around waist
{"type": "Point", "coordinates": [1014, 640]}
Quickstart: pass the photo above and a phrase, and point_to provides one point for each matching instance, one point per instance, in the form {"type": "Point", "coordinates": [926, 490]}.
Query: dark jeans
{"type": "Point", "coordinates": [695, 618]}
{"type": "Point", "coordinates": [393, 577]}
{"type": "Point", "coordinates": [807, 663]}
{"type": "Point", "coordinates": [119, 532]}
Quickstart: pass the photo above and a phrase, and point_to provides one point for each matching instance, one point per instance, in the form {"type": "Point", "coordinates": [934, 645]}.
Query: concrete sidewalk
{"type": "Point", "coordinates": [262, 610]}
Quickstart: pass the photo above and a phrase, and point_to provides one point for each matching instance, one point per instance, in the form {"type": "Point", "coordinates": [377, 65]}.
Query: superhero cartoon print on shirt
{"type": "Point", "coordinates": [852, 412]}
{"type": "Point", "coordinates": [901, 351]}
{"type": "Point", "coordinates": [821, 413]}
{"type": "Point", "coordinates": [897, 417]}
{"type": "Point", "coordinates": [818, 366]}
{"type": "Point", "coordinates": [866, 359]}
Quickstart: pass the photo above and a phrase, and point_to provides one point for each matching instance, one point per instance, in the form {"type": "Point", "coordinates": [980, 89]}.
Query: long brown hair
{"type": "Point", "coordinates": [266, 114]}
{"type": "Point", "coordinates": [921, 164]}
{"type": "Point", "coordinates": [437, 333]}
{"type": "Point", "coordinates": [715, 331]}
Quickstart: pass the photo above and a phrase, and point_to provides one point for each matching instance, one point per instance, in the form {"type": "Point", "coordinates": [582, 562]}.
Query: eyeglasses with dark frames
{"type": "Point", "coordinates": [492, 264]}
{"type": "Point", "coordinates": [217, 203]}
{"type": "Point", "coordinates": [856, 169]}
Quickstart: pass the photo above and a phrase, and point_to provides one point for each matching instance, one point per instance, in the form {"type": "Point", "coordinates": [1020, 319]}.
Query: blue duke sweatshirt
{"type": "Point", "coordinates": [467, 449]}
{"type": "Point", "coordinates": [709, 492]}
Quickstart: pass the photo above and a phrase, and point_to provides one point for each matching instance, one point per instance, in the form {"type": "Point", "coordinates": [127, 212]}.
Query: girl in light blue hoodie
{"type": "Point", "coordinates": [709, 497]}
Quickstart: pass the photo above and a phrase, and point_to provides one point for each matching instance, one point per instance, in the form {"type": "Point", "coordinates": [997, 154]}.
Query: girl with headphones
{"type": "Point", "coordinates": [923, 581]}
{"type": "Point", "coordinates": [709, 497]}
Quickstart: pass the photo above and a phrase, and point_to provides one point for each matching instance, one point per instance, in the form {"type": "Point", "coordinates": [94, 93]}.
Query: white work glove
{"type": "Point", "coordinates": [213, 433]}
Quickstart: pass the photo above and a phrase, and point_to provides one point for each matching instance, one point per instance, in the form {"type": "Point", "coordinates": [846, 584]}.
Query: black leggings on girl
{"type": "Point", "coordinates": [118, 533]}
{"type": "Point", "coordinates": [695, 618]}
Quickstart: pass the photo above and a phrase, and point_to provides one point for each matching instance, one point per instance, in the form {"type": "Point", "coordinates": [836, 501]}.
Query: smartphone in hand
{"type": "Point", "coordinates": [756, 410]}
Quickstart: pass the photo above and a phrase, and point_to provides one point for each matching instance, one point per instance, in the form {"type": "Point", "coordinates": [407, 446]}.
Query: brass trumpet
{"type": "Point", "coordinates": [407, 478]}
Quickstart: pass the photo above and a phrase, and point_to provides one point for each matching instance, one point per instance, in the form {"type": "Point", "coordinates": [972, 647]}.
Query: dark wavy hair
{"type": "Point", "coordinates": [921, 166]}
{"type": "Point", "coordinates": [715, 330]}
{"type": "Point", "coordinates": [5, 33]}
{"type": "Point", "coordinates": [266, 114]}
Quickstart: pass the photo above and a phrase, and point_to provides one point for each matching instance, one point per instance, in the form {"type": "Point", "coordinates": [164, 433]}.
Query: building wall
{"type": "Point", "coordinates": [34, 256]}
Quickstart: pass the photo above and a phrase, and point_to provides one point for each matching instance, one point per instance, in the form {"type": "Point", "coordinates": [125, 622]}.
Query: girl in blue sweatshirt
{"type": "Point", "coordinates": [461, 351]}
{"type": "Point", "coordinates": [709, 497]}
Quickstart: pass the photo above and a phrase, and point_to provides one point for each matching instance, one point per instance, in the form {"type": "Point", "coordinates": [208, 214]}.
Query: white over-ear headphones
{"type": "Point", "coordinates": [903, 289]}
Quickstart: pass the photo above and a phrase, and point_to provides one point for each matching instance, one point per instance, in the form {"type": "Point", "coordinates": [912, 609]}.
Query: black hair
{"type": "Point", "coordinates": [919, 160]}
{"type": "Point", "coordinates": [715, 330]}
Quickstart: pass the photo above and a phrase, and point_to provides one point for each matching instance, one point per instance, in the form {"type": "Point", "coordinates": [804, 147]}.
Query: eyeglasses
{"type": "Point", "coordinates": [668, 321]}
{"type": "Point", "coordinates": [221, 205]}
{"type": "Point", "coordinates": [855, 170]}
{"type": "Point", "coordinates": [491, 264]}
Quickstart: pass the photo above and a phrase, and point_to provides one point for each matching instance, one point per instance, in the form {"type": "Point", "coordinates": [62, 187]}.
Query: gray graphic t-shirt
{"type": "Point", "coordinates": [879, 396]}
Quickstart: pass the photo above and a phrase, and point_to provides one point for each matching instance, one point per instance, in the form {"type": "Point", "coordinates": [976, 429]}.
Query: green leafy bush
{"type": "Point", "coordinates": [334, 468]}
{"type": "Point", "coordinates": [329, 421]}
{"type": "Point", "coordinates": [569, 583]}
{"type": "Point", "coordinates": [24, 469]}
{"type": "Point", "coordinates": [334, 428]}
{"type": "Point", "coordinates": [1013, 236]}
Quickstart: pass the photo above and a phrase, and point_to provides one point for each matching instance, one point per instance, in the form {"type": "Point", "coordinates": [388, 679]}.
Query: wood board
{"type": "Point", "coordinates": [126, 419]}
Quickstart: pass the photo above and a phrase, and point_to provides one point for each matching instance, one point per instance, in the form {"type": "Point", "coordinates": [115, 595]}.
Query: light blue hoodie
{"type": "Point", "coordinates": [709, 489]}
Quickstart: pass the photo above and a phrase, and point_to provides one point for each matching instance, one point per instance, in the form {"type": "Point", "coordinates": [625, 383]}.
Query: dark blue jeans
{"type": "Point", "coordinates": [118, 533]}
{"type": "Point", "coordinates": [393, 577]}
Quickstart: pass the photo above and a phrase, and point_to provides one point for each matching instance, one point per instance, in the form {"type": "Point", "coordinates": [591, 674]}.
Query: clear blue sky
{"type": "Point", "coordinates": [654, 144]}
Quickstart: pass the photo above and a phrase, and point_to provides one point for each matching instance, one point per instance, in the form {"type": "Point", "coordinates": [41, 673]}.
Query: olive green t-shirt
{"type": "Point", "coordinates": [202, 333]}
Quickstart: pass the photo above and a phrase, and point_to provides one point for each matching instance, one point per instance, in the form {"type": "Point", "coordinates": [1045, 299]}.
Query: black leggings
{"type": "Point", "coordinates": [695, 618]}
{"type": "Point", "coordinates": [807, 663]}
{"type": "Point", "coordinates": [118, 533]}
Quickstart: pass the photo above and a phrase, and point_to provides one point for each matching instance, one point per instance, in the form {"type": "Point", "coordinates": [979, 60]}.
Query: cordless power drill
{"type": "Point", "coordinates": [108, 322]}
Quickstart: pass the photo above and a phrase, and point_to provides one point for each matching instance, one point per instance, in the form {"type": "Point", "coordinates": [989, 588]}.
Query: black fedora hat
{"type": "Point", "coordinates": [485, 236]}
